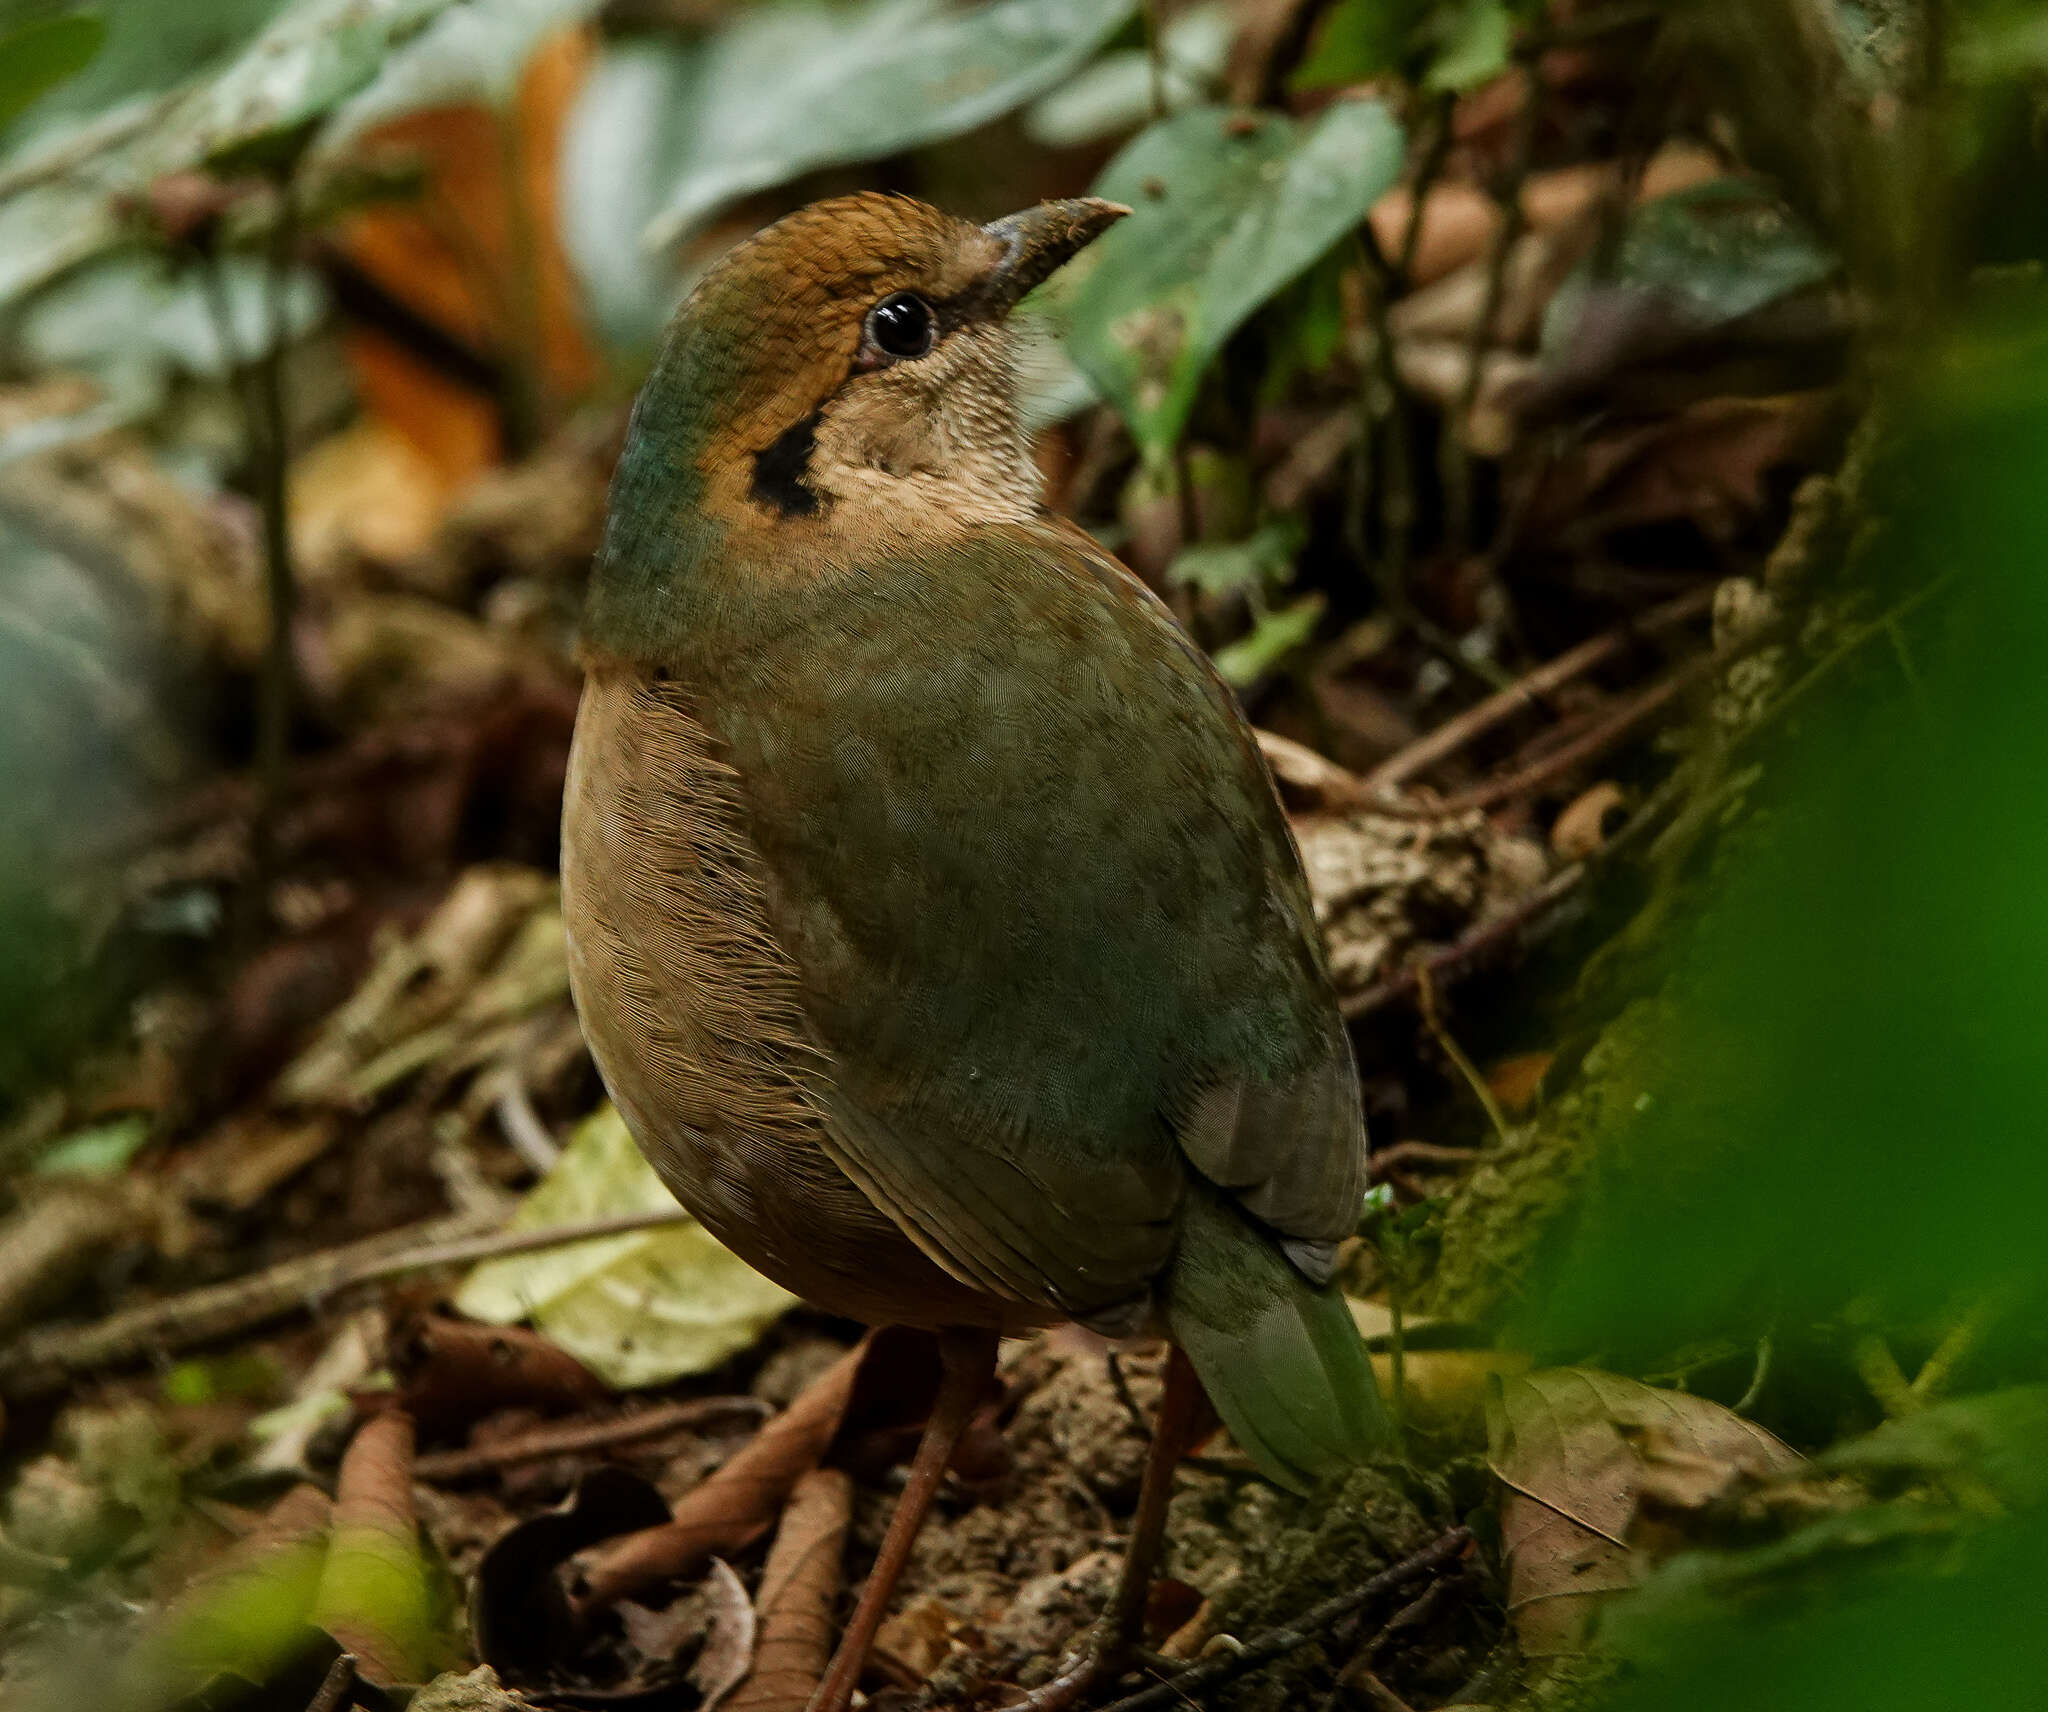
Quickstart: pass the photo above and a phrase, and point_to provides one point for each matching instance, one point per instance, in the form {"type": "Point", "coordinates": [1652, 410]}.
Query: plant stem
{"type": "Point", "coordinates": [269, 434]}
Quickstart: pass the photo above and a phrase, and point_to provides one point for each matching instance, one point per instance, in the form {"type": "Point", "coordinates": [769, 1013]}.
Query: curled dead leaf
{"type": "Point", "coordinates": [451, 1370]}
{"type": "Point", "coordinates": [727, 1655]}
{"type": "Point", "coordinates": [1588, 822]}
{"type": "Point", "coordinates": [731, 1509]}
{"type": "Point", "coordinates": [1598, 1472]}
{"type": "Point", "coordinates": [798, 1586]}
{"type": "Point", "coordinates": [373, 1589]}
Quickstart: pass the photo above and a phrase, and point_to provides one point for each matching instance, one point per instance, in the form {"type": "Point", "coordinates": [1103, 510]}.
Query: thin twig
{"type": "Point", "coordinates": [577, 1440]}
{"type": "Point", "coordinates": [271, 451]}
{"type": "Point", "coordinates": [531, 1139]}
{"type": "Point", "coordinates": [1427, 170]}
{"type": "Point", "coordinates": [1155, 54]}
{"type": "Point", "coordinates": [1457, 453]}
{"type": "Point", "coordinates": [1529, 691]}
{"type": "Point", "coordinates": [337, 1687]}
{"type": "Point", "coordinates": [1453, 960]}
{"type": "Point", "coordinates": [1757, 1379]}
{"type": "Point", "coordinates": [497, 1244]}
{"type": "Point", "coordinates": [43, 1359]}
{"type": "Point", "coordinates": [1425, 990]}
{"type": "Point", "coordinates": [1120, 1383]}
{"type": "Point", "coordinates": [1386, 1159]}
{"type": "Point", "coordinates": [1879, 1370]}
{"type": "Point", "coordinates": [1957, 1345]}
{"type": "Point", "coordinates": [1599, 737]}
{"type": "Point", "coordinates": [1274, 1643]}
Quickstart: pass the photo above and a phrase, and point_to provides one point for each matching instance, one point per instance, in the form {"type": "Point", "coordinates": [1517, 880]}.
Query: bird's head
{"type": "Point", "coordinates": [843, 371]}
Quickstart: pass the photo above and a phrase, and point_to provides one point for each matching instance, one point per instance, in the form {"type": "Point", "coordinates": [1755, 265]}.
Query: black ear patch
{"type": "Point", "coordinates": [779, 471]}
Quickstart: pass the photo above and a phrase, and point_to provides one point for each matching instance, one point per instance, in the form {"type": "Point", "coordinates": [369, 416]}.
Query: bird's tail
{"type": "Point", "coordinates": [1281, 1359]}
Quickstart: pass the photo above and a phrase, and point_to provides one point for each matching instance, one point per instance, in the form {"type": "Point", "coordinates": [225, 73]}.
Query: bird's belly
{"type": "Point", "coordinates": [692, 1013]}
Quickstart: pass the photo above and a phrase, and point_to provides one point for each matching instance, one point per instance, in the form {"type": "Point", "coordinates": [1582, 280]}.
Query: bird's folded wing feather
{"type": "Point", "coordinates": [1046, 914]}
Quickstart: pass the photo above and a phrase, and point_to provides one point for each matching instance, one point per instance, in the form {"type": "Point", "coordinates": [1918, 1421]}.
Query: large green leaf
{"type": "Point", "coordinates": [1709, 255]}
{"type": "Point", "coordinates": [473, 52]}
{"type": "Point", "coordinates": [37, 56]}
{"type": "Point", "coordinates": [791, 88]}
{"type": "Point", "coordinates": [69, 195]}
{"type": "Point", "coordinates": [1849, 1105]}
{"type": "Point", "coordinates": [621, 146]}
{"type": "Point", "coordinates": [1228, 208]}
{"type": "Point", "coordinates": [639, 1309]}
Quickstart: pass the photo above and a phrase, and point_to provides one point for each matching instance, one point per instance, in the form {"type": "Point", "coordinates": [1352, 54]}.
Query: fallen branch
{"type": "Point", "coordinates": [1528, 692]}
{"type": "Point", "coordinates": [1594, 741]}
{"type": "Point", "coordinates": [44, 1359]}
{"type": "Point", "coordinates": [545, 1442]}
{"type": "Point", "coordinates": [337, 1687]}
{"type": "Point", "coordinates": [1490, 938]}
{"type": "Point", "coordinates": [1184, 1686]}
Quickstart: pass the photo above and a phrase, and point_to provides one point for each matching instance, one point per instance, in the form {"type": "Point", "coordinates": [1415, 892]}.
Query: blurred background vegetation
{"type": "Point", "coordinates": [1605, 444]}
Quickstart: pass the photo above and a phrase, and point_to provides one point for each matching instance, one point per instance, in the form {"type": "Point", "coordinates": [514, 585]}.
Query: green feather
{"type": "Point", "coordinates": [1281, 1360]}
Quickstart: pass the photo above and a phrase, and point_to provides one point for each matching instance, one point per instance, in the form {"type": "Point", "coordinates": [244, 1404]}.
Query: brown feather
{"type": "Point", "coordinates": [691, 1010]}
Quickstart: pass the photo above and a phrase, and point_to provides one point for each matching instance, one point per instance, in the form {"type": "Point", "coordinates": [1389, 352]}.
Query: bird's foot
{"type": "Point", "coordinates": [1102, 1659]}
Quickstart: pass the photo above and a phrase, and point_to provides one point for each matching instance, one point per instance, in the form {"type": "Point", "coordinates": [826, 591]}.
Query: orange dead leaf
{"type": "Point", "coordinates": [793, 1610]}
{"type": "Point", "coordinates": [372, 1596]}
{"type": "Point", "coordinates": [477, 256]}
{"type": "Point", "coordinates": [732, 1508]}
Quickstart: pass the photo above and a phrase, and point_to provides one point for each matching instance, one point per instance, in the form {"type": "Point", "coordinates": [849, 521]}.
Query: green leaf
{"type": "Point", "coordinates": [132, 323]}
{"type": "Point", "coordinates": [67, 197]}
{"type": "Point", "coordinates": [622, 145]}
{"type": "Point", "coordinates": [1228, 208]}
{"type": "Point", "coordinates": [102, 1151]}
{"type": "Point", "coordinates": [1115, 93]}
{"type": "Point", "coordinates": [639, 1309]}
{"type": "Point", "coordinates": [149, 48]}
{"type": "Point", "coordinates": [37, 56]}
{"type": "Point", "coordinates": [1715, 253]}
{"type": "Point", "coordinates": [1356, 40]}
{"type": "Point", "coordinates": [1473, 47]}
{"type": "Point", "coordinates": [473, 52]}
{"type": "Point", "coordinates": [790, 88]}
{"type": "Point", "coordinates": [1225, 567]}
{"type": "Point", "coordinates": [1272, 639]}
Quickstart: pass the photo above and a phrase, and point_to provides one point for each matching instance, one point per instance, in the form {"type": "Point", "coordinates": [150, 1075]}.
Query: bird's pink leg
{"type": "Point", "coordinates": [1184, 1418]}
{"type": "Point", "coordinates": [969, 1361]}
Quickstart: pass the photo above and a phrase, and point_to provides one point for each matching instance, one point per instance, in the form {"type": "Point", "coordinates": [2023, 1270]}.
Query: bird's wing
{"type": "Point", "coordinates": [1047, 914]}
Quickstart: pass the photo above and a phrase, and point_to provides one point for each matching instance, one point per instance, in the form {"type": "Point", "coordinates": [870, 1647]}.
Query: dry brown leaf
{"type": "Point", "coordinates": [727, 1655]}
{"type": "Point", "coordinates": [1709, 464]}
{"type": "Point", "coordinates": [456, 258]}
{"type": "Point", "coordinates": [1458, 225]}
{"type": "Point", "coordinates": [1583, 829]}
{"type": "Point", "coordinates": [454, 1370]}
{"type": "Point", "coordinates": [364, 494]}
{"type": "Point", "coordinates": [1582, 1455]}
{"type": "Point", "coordinates": [798, 1587]}
{"type": "Point", "coordinates": [734, 1507]}
{"type": "Point", "coordinates": [372, 1596]}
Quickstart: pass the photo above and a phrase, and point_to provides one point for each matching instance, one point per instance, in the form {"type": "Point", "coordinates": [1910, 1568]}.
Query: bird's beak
{"type": "Point", "coordinates": [1037, 241]}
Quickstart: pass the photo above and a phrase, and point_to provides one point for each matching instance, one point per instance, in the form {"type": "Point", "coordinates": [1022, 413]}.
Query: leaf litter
{"type": "Point", "coordinates": [291, 1151]}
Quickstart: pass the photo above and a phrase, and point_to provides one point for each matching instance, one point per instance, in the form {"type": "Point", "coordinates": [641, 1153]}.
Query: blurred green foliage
{"type": "Point", "coordinates": [1847, 1120]}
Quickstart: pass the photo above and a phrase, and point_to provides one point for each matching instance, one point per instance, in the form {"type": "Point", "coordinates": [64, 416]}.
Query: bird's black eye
{"type": "Point", "coordinates": [902, 325]}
